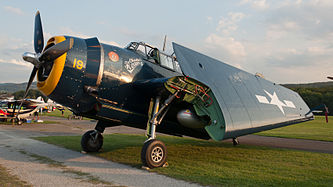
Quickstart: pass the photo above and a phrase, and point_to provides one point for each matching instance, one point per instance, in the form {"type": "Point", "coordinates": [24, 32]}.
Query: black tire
{"type": "Point", "coordinates": [153, 154]}
{"type": "Point", "coordinates": [88, 144]}
{"type": "Point", "coordinates": [19, 122]}
{"type": "Point", "coordinates": [235, 141]}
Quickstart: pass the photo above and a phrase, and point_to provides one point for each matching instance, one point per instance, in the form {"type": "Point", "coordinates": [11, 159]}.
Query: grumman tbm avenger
{"type": "Point", "coordinates": [186, 93]}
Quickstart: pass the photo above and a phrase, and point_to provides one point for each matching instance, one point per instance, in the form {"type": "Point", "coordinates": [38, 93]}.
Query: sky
{"type": "Point", "coordinates": [287, 41]}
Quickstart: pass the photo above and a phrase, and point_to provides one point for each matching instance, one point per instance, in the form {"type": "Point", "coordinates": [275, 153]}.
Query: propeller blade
{"type": "Point", "coordinates": [38, 34]}
{"type": "Point", "coordinates": [57, 50]}
{"type": "Point", "coordinates": [330, 78]}
{"type": "Point", "coordinates": [31, 79]}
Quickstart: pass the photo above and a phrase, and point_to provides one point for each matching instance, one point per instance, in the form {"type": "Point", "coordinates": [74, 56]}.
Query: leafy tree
{"type": "Point", "coordinates": [315, 96]}
{"type": "Point", "coordinates": [32, 94]}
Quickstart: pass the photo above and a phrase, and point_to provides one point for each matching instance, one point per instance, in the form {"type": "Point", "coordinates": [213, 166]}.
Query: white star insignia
{"type": "Point", "coordinates": [275, 101]}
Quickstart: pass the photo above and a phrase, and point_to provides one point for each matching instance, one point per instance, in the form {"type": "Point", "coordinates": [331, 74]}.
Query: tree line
{"type": "Point", "coordinates": [315, 96]}
{"type": "Point", "coordinates": [32, 94]}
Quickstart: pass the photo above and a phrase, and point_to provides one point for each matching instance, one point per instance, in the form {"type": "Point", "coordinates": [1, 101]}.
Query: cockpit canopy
{"type": "Point", "coordinates": [154, 55]}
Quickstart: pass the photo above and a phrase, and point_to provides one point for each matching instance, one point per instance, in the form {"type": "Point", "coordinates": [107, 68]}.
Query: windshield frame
{"type": "Point", "coordinates": [146, 54]}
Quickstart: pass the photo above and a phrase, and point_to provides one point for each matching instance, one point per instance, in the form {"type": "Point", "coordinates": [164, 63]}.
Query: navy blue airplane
{"type": "Point", "coordinates": [185, 93]}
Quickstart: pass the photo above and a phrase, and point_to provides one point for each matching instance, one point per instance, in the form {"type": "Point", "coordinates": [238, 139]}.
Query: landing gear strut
{"type": "Point", "coordinates": [154, 153]}
{"type": "Point", "coordinates": [92, 141]}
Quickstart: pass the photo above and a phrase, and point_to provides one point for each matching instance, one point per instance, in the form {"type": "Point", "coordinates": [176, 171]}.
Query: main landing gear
{"type": "Point", "coordinates": [154, 152]}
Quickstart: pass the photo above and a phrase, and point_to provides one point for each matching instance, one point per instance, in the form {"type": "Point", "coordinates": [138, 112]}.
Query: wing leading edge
{"type": "Point", "coordinates": [248, 103]}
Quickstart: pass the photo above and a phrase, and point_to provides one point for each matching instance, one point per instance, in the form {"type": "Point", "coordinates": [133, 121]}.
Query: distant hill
{"type": "Point", "coordinates": [14, 87]}
{"type": "Point", "coordinates": [310, 85]}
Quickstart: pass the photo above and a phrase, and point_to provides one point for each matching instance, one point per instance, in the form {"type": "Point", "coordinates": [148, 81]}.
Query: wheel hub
{"type": "Point", "coordinates": [92, 143]}
{"type": "Point", "coordinates": [157, 154]}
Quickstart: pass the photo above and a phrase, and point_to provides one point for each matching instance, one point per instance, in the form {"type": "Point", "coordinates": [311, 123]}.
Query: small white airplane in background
{"type": "Point", "coordinates": [39, 102]}
{"type": "Point", "coordinates": [52, 104]}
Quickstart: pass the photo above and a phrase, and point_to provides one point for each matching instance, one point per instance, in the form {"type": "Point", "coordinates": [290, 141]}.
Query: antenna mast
{"type": "Point", "coordinates": [164, 42]}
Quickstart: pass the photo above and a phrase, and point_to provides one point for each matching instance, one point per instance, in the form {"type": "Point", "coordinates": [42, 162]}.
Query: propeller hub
{"type": "Point", "coordinates": [32, 58]}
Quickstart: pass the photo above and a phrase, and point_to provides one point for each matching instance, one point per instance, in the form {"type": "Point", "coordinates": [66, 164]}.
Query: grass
{"type": "Point", "coordinates": [7, 179]}
{"type": "Point", "coordinates": [316, 129]}
{"type": "Point", "coordinates": [57, 113]}
{"type": "Point", "coordinates": [218, 163]}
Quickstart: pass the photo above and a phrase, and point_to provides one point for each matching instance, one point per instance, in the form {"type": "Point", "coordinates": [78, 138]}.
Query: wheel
{"type": "Point", "coordinates": [235, 141]}
{"type": "Point", "coordinates": [19, 122]}
{"type": "Point", "coordinates": [153, 154]}
{"type": "Point", "coordinates": [89, 143]}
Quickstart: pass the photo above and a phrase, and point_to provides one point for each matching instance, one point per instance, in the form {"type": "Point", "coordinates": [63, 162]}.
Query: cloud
{"type": "Point", "coordinates": [229, 24]}
{"type": "Point", "coordinates": [110, 43]}
{"type": "Point", "coordinates": [298, 74]}
{"type": "Point", "coordinates": [321, 3]}
{"type": "Point", "coordinates": [227, 44]}
{"type": "Point", "coordinates": [223, 44]}
{"type": "Point", "coordinates": [277, 31]}
{"type": "Point", "coordinates": [16, 62]}
{"type": "Point", "coordinates": [14, 10]}
{"type": "Point", "coordinates": [129, 33]}
{"type": "Point", "coordinates": [297, 42]}
{"type": "Point", "coordinates": [12, 49]}
{"type": "Point", "coordinates": [292, 42]}
{"type": "Point", "coordinates": [260, 4]}
{"type": "Point", "coordinates": [256, 4]}
{"type": "Point", "coordinates": [314, 18]}
{"type": "Point", "coordinates": [70, 32]}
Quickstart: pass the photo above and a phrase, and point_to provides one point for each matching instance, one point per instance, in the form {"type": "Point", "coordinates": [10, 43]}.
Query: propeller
{"type": "Point", "coordinates": [330, 78]}
{"type": "Point", "coordinates": [40, 57]}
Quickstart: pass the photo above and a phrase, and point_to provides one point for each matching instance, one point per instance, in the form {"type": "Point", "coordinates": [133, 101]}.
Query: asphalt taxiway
{"type": "Point", "coordinates": [42, 164]}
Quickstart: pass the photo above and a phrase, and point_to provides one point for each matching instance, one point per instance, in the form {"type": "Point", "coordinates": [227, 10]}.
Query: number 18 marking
{"type": "Point", "coordinates": [78, 64]}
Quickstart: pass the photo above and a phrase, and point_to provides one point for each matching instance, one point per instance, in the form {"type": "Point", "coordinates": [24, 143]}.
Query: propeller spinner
{"type": "Point", "coordinates": [41, 56]}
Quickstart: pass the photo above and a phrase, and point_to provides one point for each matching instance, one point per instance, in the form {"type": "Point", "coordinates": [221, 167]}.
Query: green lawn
{"type": "Point", "coordinates": [218, 163]}
{"type": "Point", "coordinates": [57, 113]}
{"type": "Point", "coordinates": [316, 129]}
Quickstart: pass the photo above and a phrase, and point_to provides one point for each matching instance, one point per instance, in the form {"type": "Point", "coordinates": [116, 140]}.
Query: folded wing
{"type": "Point", "coordinates": [248, 102]}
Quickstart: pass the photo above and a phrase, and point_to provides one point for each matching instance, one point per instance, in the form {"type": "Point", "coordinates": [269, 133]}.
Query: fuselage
{"type": "Point", "coordinates": [99, 81]}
